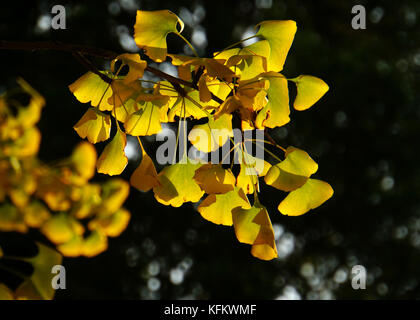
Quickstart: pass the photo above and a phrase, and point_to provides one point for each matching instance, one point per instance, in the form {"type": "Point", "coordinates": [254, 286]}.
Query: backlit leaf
{"type": "Point", "coordinates": [253, 226]}
{"type": "Point", "coordinates": [212, 178]}
{"type": "Point", "coordinates": [144, 178]}
{"type": "Point", "coordinates": [276, 111]}
{"type": "Point", "coordinates": [309, 90]}
{"type": "Point", "coordinates": [173, 189]}
{"type": "Point", "coordinates": [135, 64]}
{"type": "Point", "coordinates": [113, 160]}
{"type": "Point", "coordinates": [279, 34]}
{"type": "Point", "coordinates": [95, 125]}
{"type": "Point", "coordinates": [293, 172]}
{"type": "Point", "coordinates": [310, 196]}
{"type": "Point", "coordinates": [91, 88]}
{"type": "Point", "coordinates": [151, 29]}
{"type": "Point", "coordinates": [217, 208]}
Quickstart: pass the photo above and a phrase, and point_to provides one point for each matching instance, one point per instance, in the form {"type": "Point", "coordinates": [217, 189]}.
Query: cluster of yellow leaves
{"type": "Point", "coordinates": [245, 83]}
{"type": "Point", "coordinates": [75, 215]}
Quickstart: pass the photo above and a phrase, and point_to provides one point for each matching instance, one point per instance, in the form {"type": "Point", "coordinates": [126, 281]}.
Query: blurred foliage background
{"type": "Point", "coordinates": [363, 133]}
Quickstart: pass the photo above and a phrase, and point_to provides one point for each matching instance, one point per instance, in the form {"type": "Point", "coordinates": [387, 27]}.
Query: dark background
{"type": "Point", "coordinates": [363, 134]}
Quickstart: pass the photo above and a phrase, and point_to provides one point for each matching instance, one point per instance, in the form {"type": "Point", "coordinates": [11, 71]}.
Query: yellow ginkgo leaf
{"type": "Point", "coordinates": [276, 111]}
{"type": "Point", "coordinates": [95, 125]}
{"type": "Point", "coordinates": [135, 64]}
{"type": "Point", "coordinates": [212, 178]}
{"type": "Point", "coordinates": [113, 160]}
{"type": "Point", "coordinates": [113, 225]}
{"type": "Point", "coordinates": [176, 184]}
{"type": "Point", "coordinates": [123, 112]}
{"type": "Point", "coordinates": [310, 196]}
{"type": "Point", "coordinates": [217, 208]}
{"type": "Point", "coordinates": [61, 228]}
{"type": "Point", "coordinates": [91, 88]}
{"type": "Point", "coordinates": [253, 226]}
{"type": "Point", "coordinates": [114, 193]}
{"type": "Point", "coordinates": [72, 248]}
{"type": "Point", "coordinates": [249, 65]}
{"type": "Point", "coordinates": [36, 214]}
{"type": "Point", "coordinates": [94, 244]}
{"type": "Point", "coordinates": [251, 169]}
{"type": "Point", "coordinates": [144, 178]}
{"type": "Point", "coordinates": [29, 115]}
{"type": "Point", "coordinates": [151, 29]}
{"type": "Point", "coordinates": [26, 145]}
{"type": "Point", "coordinates": [84, 160]}
{"type": "Point", "coordinates": [309, 90]}
{"type": "Point", "coordinates": [147, 120]}
{"type": "Point", "coordinates": [212, 135]}
{"type": "Point", "coordinates": [187, 107]}
{"type": "Point", "coordinates": [279, 34]}
{"type": "Point", "coordinates": [292, 172]}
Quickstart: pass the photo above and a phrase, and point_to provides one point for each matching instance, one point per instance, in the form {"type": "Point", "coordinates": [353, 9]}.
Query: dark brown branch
{"type": "Point", "coordinates": [79, 51]}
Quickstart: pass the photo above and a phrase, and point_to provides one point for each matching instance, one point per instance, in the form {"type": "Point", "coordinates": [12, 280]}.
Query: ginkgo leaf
{"type": "Point", "coordinates": [185, 107]}
{"type": "Point", "coordinates": [113, 160]}
{"type": "Point", "coordinates": [91, 88]}
{"type": "Point", "coordinates": [144, 178]}
{"type": "Point", "coordinates": [5, 293]}
{"type": "Point", "coordinates": [10, 219]}
{"type": "Point", "coordinates": [123, 112]}
{"type": "Point", "coordinates": [94, 244]}
{"type": "Point", "coordinates": [176, 184]}
{"type": "Point", "coordinates": [205, 94]}
{"type": "Point", "coordinates": [61, 228]}
{"type": "Point", "coordinates": [249, 65]}
{"type": "Point", "coordinates": [292, 172]}
{"type": "Point", "coordinates": [30, 114]}
{"type": "Point", "coordinates": [72, 248]}
{"type": "Point", "coordinates": [38, 285]}
{"type": "Point", "coordinates": [26, 145]}
{"type": "Point", "coordinates": [253, 226]}
{"type": "Point", "coordinates": [113, 225]}
{"type": "Point", "coordinates": [252, 94]}
{"type": "Point", "coordinates": [151, 29]}
{"type": "Point", "coordinates": [276, 111]}
{"type": "Point", "coordinates": [212, 178]}
{"type": "Point", "coordinates": [36, 214]}
{"type": "Point", "coordinates": [310, 196]}
{"type": "Point", "coordinates": [84, 160]}
{"type": "Point", "coordinates": [279, 34]}
{"type": "Point", "coordinates": [147, 120]}
{"type": "Point", "coordinates": [217, 208]}
{"type": "Point", "coordinates": [309, 90]}
{"type": "Point", "coordinates": [114, 193]}
{"type": "Point", "coordinates": [135, 64]}
{"type": "Point", "coordinates": [212, 135]}
{"type": "Point", "coordinates": [95, 125]}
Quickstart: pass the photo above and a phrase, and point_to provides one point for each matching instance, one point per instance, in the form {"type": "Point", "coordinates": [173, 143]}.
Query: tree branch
{"type": "Point", "coordinates": [79, 51]}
